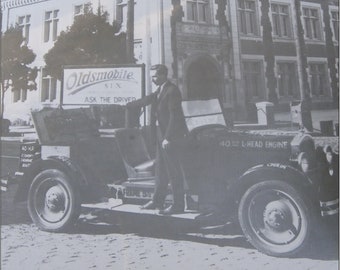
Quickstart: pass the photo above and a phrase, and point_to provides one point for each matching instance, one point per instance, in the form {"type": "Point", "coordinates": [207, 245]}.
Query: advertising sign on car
{"type": "Point", "coordinates": [102, 85]}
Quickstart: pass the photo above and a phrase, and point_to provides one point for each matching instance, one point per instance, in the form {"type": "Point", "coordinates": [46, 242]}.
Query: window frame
{"type": "Point", "coordinates": [316, 85]}
{"type": "Point", "coordinates": [316, 34]}
{"type": "Point", "coordinates": [48, 94]}
{"type": "Point", "coordinates": [25, 25]}
{"type": "Point", "coordinates": [290, 76]}
{"type": "Point", "coordinates": [281, 16]}
{"type": "Point", "coordinates": [196, 16]}
{"type": "Point", "coordinates": [250, 21]}
{"type": "Point", "coordinates": [83, 9]}
{"type": "Point", "coordinates": [119, 12]}
{"type": "Point", "coordinates": [259, 75]}
{"type": "Point", "coordinates": [19, 95]}
{"type": "Point", "coordinates": [51, 25]}
{"type": "Point", "coordinates": [336, 22]}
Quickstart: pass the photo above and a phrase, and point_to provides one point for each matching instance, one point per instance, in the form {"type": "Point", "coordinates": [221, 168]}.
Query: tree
{"type": "Point", "coordinates": [90, 40]}
{"type": "Point", "coordinates": [15, 60]}
{"type": "Point", "coordinates": [268, 48]}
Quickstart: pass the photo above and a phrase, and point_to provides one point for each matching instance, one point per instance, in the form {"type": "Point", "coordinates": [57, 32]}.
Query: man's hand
{"type": "Point", "coordinates": [165, 144]}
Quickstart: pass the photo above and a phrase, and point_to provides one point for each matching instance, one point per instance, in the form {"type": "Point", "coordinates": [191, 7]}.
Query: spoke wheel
{"type": "Point", "coordinates": [275, 219]}
{"type": "Point", "coordinates": [53, 201]}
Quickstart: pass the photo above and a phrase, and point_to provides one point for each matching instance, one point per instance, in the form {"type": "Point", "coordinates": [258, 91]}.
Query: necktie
{"type": "Point", "coordinates": [158, 91]}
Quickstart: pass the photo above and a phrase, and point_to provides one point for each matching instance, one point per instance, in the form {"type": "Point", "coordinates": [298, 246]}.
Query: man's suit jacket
{"type": "Point", "coordinates": [166, 108]}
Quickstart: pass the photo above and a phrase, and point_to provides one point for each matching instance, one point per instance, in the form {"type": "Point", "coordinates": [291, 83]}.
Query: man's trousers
{"type": "Point", "coordinates": [169, 169]}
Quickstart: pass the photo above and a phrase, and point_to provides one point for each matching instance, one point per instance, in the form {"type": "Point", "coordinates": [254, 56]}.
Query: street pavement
{"type": "Point", "coordinates": [140, 243]}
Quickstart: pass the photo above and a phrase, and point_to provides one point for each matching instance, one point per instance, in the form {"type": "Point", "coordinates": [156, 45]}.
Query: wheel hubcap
{"type": "Point", "coordinates": [277, 216]}
{"type": "Point", "coordinates": [52, 201]}
{"type": "Point", "coordinates": [55, 199]}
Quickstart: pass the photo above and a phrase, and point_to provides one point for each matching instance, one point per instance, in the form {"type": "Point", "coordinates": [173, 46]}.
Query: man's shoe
{"type": "Point", "coordinates": [172, 210]}
{"type": "Point", "coordinates": [151, 205]}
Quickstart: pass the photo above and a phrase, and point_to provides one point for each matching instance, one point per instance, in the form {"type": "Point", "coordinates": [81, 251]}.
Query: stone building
{"type": "Point", "coordinates": [242, 51]}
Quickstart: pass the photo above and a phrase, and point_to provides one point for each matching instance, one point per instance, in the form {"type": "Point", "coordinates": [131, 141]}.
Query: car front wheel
{"type": "Point", "coordinates": [275, 219]}
{"type": "Point", "coordinates": [53, 201]}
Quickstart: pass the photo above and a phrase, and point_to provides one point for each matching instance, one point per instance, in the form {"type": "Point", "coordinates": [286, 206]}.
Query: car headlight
{"type": "Point", "coordinates": [304, 161]}
{"type": "Point", "coordinates": [330, 158]}
{"type": "Point", "coordinates": [329, 154]}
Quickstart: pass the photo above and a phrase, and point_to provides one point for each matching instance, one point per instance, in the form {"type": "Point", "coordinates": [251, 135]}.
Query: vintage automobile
{"type": "Point", "coordinates": [276, 183]}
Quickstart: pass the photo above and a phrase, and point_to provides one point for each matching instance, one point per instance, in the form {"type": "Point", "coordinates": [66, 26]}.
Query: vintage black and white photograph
{"type": "Point", "coordinates": [169, 134]}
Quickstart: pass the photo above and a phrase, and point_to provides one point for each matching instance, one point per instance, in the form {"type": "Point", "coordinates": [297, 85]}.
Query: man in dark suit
{"type": "Point", "coordinates": [168, 119]}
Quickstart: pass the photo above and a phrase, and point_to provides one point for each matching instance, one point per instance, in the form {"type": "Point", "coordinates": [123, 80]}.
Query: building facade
{"type": "Point", "coordinates": [213, 48]}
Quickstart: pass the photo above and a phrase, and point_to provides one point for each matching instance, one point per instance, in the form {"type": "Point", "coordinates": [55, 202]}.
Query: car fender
{"type": "Point", "coordinates": [272, 171]}
{"type": "Point", "coordinates": [53, 162]}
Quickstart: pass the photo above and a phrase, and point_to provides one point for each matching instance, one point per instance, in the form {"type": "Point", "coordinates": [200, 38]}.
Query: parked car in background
{"type": "Point", "coordinates": [5, 123]}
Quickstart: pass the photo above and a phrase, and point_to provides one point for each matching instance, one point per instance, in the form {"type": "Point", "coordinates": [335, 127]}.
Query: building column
{"type": "Point", "coordinates": [331, 55]}
{"type": "Point", "coordinates": [302, 70]}
{"type": "Point", "coordinates": [301, 53]}
{"type": "Point", "coordinates": [176, 16]}
{"type": "Point", "coordinates": [238, 94]}
{"type": "Point", "coordinates": [222, 25]}
{"type": "Point", "coordinates": [268, 48]}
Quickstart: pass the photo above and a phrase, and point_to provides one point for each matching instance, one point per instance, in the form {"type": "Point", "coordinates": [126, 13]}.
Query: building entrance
{"type": "Point", "coordinates": [203, 80]}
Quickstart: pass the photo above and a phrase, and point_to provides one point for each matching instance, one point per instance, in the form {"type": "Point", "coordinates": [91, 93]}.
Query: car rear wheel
{"type": "Point", "coordinates": [275, 219]}
{"type": "Point", "coordinates": [53, 201]}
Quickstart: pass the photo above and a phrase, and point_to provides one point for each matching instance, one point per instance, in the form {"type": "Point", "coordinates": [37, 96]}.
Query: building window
{"type": "Point", "coordinates": [312, 23]}
{"type": "Point", "coordinates": [281, 20]}
{"type": "Point", "coordinates": [51, 25]}
{"type": "Point", "coordinates": [335, 25]}
{"type": "Point", "coordinates": [318, 79]}
{"type": "Point", "coordinates": [19, 95]}
{"type": "Point", "coordinates": [198, 11]}
{"type": "Point", "coordinates": [48, 87]}
{"type": "Point", "coordinates": [138, 51]}
{"type": "Point", "coordinates": [252, 72]}
{"type": "Point", "coordinates": [121, 9]}
{"type": "Point", "coordinates": [287, 80]}
{"type": "Point", "coordinates": [24, 22]}
{"type": "Point", "coordinates": [82, 9]}
{"type": "Point", "coordinates": [247, 17]}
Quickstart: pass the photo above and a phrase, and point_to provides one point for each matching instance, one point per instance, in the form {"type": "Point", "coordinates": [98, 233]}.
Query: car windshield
{"type": "Point", "coordinates": [202, 112]}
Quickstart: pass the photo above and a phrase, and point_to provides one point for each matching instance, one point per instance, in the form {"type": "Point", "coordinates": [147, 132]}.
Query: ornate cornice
{"type": "Point", "coordinates": [203, 38]}
{"type": "Point", "coordinates": [6, 4]}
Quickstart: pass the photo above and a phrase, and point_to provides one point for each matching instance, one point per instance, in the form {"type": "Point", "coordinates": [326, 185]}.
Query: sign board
{"type": "Point", "coordinates": [102, 85]}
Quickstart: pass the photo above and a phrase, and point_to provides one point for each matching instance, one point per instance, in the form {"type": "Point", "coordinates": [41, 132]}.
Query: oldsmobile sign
{"type": "Point", "coordinates": [102, 85]}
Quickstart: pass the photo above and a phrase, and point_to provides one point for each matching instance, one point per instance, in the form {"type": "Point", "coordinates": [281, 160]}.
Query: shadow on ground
{"type": "Point", "coordinates": [12, 212]}
{"type": "Point", "coordinates": [322, 246]}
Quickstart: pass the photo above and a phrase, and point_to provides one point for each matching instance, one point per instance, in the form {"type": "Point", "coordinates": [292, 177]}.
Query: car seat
{"type": "Point", "coordinates": [137, 161]}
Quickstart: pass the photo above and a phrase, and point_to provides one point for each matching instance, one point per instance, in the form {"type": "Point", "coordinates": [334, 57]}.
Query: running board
{"type": "Point", "coordinates": [116, 205]}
